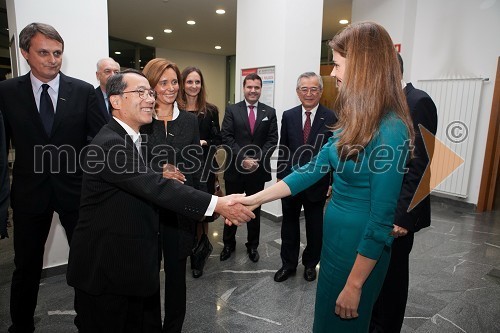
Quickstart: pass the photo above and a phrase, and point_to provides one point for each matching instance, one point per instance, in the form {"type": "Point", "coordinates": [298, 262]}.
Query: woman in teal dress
{"type": "Point", "coordinates": [367, 154]}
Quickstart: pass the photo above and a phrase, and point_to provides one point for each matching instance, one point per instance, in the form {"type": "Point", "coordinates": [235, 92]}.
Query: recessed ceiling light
{"type": "Point", "coordinates": [149, 38]}
{"type": "Point", "coordinates": [167, 31]}
{"type": "Point", "coordinates": [191, 22]}
{"type": "Point", "coordinates": [220, 11]}
{"type": "Point", "coordinates": [118, 52]}
{"type": "Point", "coordinates": [343, 21]}
{"type": "Point", "coordinates": [218, 47]}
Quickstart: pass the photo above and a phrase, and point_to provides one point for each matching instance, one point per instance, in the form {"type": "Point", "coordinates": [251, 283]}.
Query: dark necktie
{"type": "Point", "coordinates": [46, 109]}
{"type": "Point", "coordinates": [307, 126]}
{"type": "Point", "coordinates": [251, 118]}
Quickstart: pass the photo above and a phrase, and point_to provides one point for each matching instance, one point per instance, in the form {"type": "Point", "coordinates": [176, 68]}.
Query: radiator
{"type": "Point", "coordinates": [457, 102]}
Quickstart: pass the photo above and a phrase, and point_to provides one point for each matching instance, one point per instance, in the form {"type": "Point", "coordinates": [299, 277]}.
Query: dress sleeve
{"type": "Point", "coordinates": [307, 175]}
{"type": "Point", "coordinates": [387, 160]}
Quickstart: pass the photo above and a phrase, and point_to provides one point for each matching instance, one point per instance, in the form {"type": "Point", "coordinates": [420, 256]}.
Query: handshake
{"type": "Point", "coordinates": [236, 208]}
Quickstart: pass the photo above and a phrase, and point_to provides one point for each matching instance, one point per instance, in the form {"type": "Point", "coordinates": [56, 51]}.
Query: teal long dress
{"type": "Point", "coordinates": [358, 219]}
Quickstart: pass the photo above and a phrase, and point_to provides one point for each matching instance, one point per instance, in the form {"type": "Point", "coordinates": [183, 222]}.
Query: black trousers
{"type": "Point", "coordinates": [30, 235]}
{"type": "Point", "coordinates": [290, 231]}
{"type": "Point", "coordinates": [389, 309]}
{"type": "Point", "coordinates": [253, 226]}
{"type": "Point", "coordinates": [118, 313]}
{"type": "Point", "coordinates": [175, 294]}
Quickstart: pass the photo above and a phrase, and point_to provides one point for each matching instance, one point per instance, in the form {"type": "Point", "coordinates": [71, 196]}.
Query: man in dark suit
{"type": "Point", "coordinates": [4, 182]}
{"type": "Point", "coordinates": [389, 309]}
{"type": "Point", "coordinates": [114, 256]}
{"type": "Point", "coordinates": [304, 130]}
{"type": "Point", "coordinates": [49, 117]}
{"type": "Point", "coordinates": [250, 135]}
{"type": "Point", "coordinates": [105, 68]}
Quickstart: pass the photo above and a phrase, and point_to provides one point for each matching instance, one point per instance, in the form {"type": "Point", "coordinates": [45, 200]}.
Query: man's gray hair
{"type": "Point", "coordinates": [308, 75]}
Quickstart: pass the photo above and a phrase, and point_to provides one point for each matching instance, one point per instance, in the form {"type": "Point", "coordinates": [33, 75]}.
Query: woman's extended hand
{"type": "Point", "coordinates": [348, 301]}
{"type": "Point", "coordinates": [171, 172]}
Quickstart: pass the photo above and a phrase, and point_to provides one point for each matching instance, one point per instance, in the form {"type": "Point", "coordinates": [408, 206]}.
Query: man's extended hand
{"type": "Point", "coordinates": [171, 172]}
{"type": "Point", "coordinates": [233, 211]}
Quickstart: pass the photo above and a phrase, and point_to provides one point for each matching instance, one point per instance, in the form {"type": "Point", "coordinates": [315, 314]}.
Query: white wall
{"type": "Point", "coordinates": [281, 33]}
{"type": "Point", "coordinates": [213, 68]}
{"type": "Point", "coordinates": [84, 44]}
{"type": "Point", "coordinates": [446, 38]}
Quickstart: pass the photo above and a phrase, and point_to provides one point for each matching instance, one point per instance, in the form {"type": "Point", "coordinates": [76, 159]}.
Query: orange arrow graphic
{"type": "Point", "coordinates": [443, 162]}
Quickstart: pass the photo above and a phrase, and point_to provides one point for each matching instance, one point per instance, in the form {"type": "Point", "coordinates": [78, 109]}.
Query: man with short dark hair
{"type": "Point", "coordinates": [4, 182]}
{"type": "Point", "coordinates": [250, 134]}
{"type": "Point", "coordinates": [304, 130]}
{"type": "Point", "coordinates": [49, 117]}
{"type": "Point", "coordinates": [105, 68]}
{"type": "Point", "coordinates": [114, 256]}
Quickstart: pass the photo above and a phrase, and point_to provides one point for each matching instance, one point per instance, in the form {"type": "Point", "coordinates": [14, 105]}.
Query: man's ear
{"type": "Point", "coordinates": [25, 54]}
{"type": "Point", "coordinates": [115, 101]}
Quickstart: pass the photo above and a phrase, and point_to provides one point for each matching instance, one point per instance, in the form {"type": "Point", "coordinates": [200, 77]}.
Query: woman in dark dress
{"type": "Point", "coordinates": [194, 97]}
{"type": "Point", "coordinates": [173, 147]}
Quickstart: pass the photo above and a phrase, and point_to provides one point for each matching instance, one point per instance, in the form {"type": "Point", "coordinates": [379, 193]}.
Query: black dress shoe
{"type": "Point", "coordinates": [310, 274]}
{"type": "Point", "coordinates": [226, 253]}
{"type": "Point", "coordinates": [253, 254]}
{"type": "Point", "coordinates": [197, 273]}
{"type": "Point", "coordinates": [282, 274]}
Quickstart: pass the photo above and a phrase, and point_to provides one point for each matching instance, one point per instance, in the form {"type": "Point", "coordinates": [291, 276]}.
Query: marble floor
{"type": "Point", "coordinates": [454, 283]}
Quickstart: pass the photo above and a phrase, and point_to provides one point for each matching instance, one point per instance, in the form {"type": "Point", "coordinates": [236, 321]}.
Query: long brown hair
{"type": "Point", "coordinates": [371, 87]}
{"type": "Point", "coordinates": [154, 70]}
{"type": "Point", "coordinates": [202, 105]}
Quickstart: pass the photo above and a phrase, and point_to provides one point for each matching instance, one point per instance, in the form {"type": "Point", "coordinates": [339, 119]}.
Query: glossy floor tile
{"type": "Point", "coordinates": [454, 283]}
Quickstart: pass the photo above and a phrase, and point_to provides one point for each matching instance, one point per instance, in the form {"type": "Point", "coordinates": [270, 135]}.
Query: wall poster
{"type": "Point", "coordinates": [268, 80]}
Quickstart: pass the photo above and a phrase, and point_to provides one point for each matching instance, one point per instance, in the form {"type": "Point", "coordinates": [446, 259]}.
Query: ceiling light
{"type": "Point", "coordinates": [220, 11]}
{"type": "Point", "coordinates": [191, 22]}
{"type": "Point", "coordinates": [343, 21]}
{"type": "Point", "coordinates": [218, 47]}
{"type": "Point", "coordinates": [118, 52]}
{"type": "Point", "coordinates": [149, 38]}
{"type": "Point", "coordinates": [167, 31]}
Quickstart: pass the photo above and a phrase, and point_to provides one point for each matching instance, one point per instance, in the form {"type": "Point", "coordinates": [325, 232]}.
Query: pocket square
{"type": "Point", "coordinates": [265, 119]}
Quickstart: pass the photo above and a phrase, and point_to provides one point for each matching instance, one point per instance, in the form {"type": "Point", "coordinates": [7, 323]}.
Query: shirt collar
{"type": "Point", "coordinates": [37, 84]}
{"type": "Point", "coordinates": [133, 134]}
{"type": "Point", "coordinates": [175, 112]}
{"type": "Point", "coordinates": [313, 110]}
{"type": "Point", "coordinates": [248, 104]}
{"type": "Point", "coordinates": [403, 84]}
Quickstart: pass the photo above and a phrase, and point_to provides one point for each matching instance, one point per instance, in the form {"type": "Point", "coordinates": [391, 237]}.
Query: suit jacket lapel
{"type": "Point", "coordinates": [244, 116]}
{"type": "Point", "coordinates": [297, 123]}
{"type": "Point", "coordinates": [63, 97]}
{"type": "Point", "coordinates": [319, 120]}
{"type": "Point", "coordinates": [261, 113]}
{"type": "Point", "coordinates": [26, 95]}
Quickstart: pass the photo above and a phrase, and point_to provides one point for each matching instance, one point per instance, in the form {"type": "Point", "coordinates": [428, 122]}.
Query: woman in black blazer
{"type": "Point", "coordinates": [194, 97]}
{"type": "Point", "coordinates": [173, 148]}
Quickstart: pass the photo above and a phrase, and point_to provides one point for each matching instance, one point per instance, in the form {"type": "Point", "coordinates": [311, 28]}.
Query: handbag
{"type": "Point", "coordinates": [201, 252]}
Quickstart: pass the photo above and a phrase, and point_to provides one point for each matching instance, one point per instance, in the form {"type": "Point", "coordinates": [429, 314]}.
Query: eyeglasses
{"type": "Point", "coordinates": [143, 93]}
{"type": "Point", "coordinates": [312, 90]}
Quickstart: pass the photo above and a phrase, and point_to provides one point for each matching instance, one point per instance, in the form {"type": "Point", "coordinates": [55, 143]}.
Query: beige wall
{"type": "Point", "coordinates": [213, 68]}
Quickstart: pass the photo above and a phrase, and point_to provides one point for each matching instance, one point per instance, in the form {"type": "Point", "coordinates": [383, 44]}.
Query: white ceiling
{"type": "Point", "coordinates": [133, 20]}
